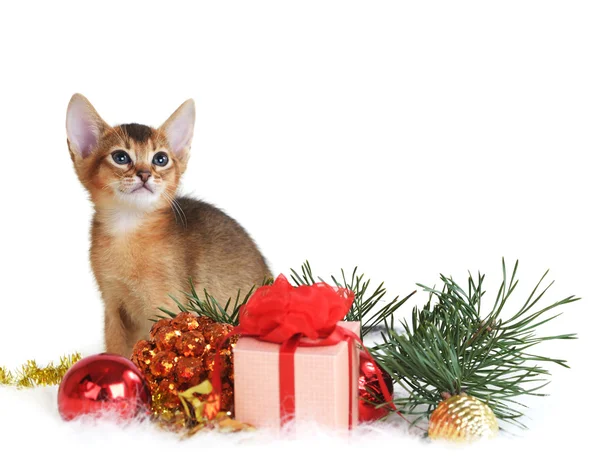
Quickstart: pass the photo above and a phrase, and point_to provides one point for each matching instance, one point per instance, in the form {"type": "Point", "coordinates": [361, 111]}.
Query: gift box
{"type": "Point", "coordinates": [323, 381]}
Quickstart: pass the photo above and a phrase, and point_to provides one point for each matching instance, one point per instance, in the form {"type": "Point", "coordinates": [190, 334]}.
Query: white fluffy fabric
{"type": "Point", "coordinates": [30, 424]}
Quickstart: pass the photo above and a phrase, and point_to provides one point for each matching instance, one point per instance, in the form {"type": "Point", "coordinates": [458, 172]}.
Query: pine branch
{"type": "Point", "coordinates": [369, 308]}
{"type": "Point", "coordinates": [449, 346]}
{"type": "Point", "coordinates": [366, 308]}
{"type": "Point", "coordinates": [207, 305]}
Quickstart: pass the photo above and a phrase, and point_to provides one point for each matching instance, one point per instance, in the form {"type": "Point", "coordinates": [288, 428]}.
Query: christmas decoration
{"type": "Point", "coordinates": [364, 303]}
{"type": "Point", "coordinates": [31, 375]}
{"type": "Point", "coordinates": [369, 392]}
{"type": "Point", "coordinates": [6, 378]}
{"type": "Point", "coordinates": [448, 357]}
{"type": "Point", "coordinates": [276, 384]}
{"type": "Point", "coordinates": [200, 415]}
{"type": "Point", "coordinates": [462, 418]}
{"type": "Point", "coordinates": [452, 346]}
{"type": "Point", "coordinates": [179, 355]}
{"type": "Point", "coordinates": [101, 383]}
{"type": "Point", "coordinates": [200, 411]}
{"type": "Point", "coordinates": [290, 336]}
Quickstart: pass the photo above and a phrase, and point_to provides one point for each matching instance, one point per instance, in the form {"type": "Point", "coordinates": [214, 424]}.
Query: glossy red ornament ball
{"type": "Point", "coordinates": [369, 391]}
{"type": "Point", "coordinates": [102, 383]}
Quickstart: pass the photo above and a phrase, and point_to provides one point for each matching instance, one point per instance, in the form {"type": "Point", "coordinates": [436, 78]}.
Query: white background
{"type": "Point", "coordinates": [407, 138]}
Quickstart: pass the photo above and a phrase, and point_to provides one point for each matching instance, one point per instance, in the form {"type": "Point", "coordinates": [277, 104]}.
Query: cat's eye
{"type": "Point", "coordinates": [160, 159]}
{"type": "Point", "coordinates": [121, 157]}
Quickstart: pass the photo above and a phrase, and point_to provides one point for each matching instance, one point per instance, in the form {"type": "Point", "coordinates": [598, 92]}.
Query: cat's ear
{"type": "Point", "coordinates": [84, 126]}
{"type": "Point", "coordinates": [179, 128]}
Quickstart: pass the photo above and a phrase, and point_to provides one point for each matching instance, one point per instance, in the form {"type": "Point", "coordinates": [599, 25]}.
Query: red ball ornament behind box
{"type": "Point", "coordinates": [103, 383]}
{"type": "Point", "coordinates": [369, 391]}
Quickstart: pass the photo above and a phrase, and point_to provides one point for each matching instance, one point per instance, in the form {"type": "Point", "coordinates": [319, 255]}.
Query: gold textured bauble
{"type": "Point", "coordinates": [462, 418]}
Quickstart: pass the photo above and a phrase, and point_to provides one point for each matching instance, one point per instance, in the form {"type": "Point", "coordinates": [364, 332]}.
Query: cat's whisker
{"type": "Point", "coordinates": [177, 210]}
{"type": "Point", "coordinates": [110, 184]}
{"type": "Point", "coordinates": [178, 206]}
{"type": "Point", "coordinates": [170, 205]}
{"type": "Point", "coordinates": [182, 213]}
{"type": "Point", "coordinates": [121, 135]}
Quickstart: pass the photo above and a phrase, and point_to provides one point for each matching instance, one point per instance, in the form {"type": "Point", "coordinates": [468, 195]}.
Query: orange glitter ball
{"type": "Point", "coordinates": [180, 354]}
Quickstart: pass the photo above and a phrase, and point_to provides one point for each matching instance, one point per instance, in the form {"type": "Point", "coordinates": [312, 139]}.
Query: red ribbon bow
{"type": "Point", "coordinates": [283, 314]}
{"type": "Point", "coordinates": [277, 313]}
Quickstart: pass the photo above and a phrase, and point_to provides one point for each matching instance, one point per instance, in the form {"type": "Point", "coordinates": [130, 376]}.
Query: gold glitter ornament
{"type": "Point", "coordinates": [462, 418]}
{"type": "Point", "coordinates": [206, 414]}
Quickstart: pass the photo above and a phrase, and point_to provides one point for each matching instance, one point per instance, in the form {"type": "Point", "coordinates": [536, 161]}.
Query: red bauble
{"type": "Point", "coordinates": [102, 383]}
{"type": "Point", "coordinates": [369, 391]}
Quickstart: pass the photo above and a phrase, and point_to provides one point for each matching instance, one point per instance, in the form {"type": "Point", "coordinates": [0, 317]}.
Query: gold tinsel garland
{"type": "Point", "coordinates": [31, 375]}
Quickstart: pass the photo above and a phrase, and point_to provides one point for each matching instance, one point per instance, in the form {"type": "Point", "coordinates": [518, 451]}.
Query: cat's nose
{"type": "Point", "coordinates": [144, 175]}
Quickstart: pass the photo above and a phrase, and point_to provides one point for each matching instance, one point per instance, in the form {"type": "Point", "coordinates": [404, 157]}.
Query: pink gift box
{"type": "Point", "coordinates": [320, 376]}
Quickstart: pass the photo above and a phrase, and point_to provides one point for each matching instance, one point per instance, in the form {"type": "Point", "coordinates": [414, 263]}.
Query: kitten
{"type": "Point", "coordinates": [146, 242]}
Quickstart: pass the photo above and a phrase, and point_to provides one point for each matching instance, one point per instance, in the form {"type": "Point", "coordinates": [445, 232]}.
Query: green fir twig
{"type": "Point", "coordinates": [451, 346]}
{"type": "Point", "coordinates": [367, 307]}
{"type": "Point", "coordinates": [206, 305]}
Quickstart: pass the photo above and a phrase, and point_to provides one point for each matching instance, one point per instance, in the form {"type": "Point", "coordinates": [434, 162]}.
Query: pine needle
{"type": "Point", "coordinates": [205, 304]}
{"type": "Point", "coordinates": [368, 308]}
{"type": "Point", "coordinates": [451, 346]}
